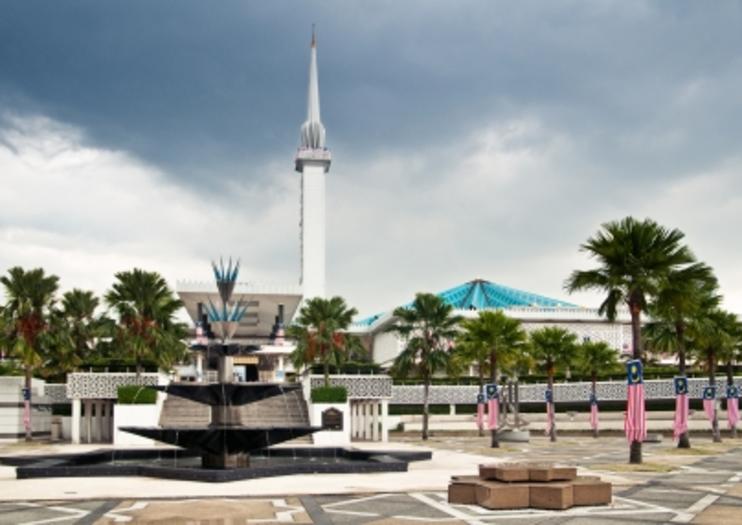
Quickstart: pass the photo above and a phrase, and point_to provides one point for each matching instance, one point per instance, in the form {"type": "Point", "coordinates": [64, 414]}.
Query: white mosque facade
{"type": "Point", "coordinates": [270, 306]}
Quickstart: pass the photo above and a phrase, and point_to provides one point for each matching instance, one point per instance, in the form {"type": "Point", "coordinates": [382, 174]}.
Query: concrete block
{"type": "Point", "coordinates": [590, 490]}
{"type": "Point", "coordinates": [504, 472]}
{"type": "Point", "coordinates": [552, 496]}
{"type": "Point", "coordinates": [551, 473]}
{"type": "Point", "coordinates": [497, 495]}
{"type": "Point", "coordinates": [462, 492]}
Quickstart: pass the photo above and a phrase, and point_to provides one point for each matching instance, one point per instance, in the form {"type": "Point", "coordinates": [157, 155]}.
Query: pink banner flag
{"type": "Point", "coordinates": [709, 402]}
{"type": "Point", "coordinates": [732, 411]}
{"type": "Point", "coordinates": [680, 424]}
{"type": "Point", "coordinates": [493, 410]}
{"type": "Point", "coordinates": [594, 416]}
{"type": "Point", "coordinates": [480, 415]}
{"type": "Point", "coordinates": [635, 422]}
{"type": "Point", "coordinates": [26, 415]}
{"type": "Point", "coordinates": [549, 418]}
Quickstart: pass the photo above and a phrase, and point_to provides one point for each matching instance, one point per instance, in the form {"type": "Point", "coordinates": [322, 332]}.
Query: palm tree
{"type": "Point", "coordinates": [466, 351]}
{"type": "Point", "coordinates": [30, 297]}
{"type": "Point", "coordinates": [552, 348]}
{"type": "Point", "coordinates": [713, 339]}
{"type": "Point", "coordinates": [732, 354]}
{"type": "Point", "coordinates": [497, 338]}
{"type": "Point", "coordinates": [428, 327]}
{"type": "Point", "coordinates": [595, 356]}
{"type": "Point", "coordinates": [77, 328]}
{"type": "Point", "coordinates": [683, 294]}
{"type": "Point", "coordinates": [634, 258]}
{"type": "Point", "coordinates": [320, 334]}
{"type": "Point", "coordinates": [147, 327]}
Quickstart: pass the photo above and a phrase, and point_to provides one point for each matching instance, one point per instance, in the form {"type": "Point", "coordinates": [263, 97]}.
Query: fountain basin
{"type": "Point", "coordinates": [171, 463]}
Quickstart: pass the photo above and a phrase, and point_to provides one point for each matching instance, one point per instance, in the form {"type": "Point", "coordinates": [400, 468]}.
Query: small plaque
{"type": "Point", "coordinates": [332, 419]}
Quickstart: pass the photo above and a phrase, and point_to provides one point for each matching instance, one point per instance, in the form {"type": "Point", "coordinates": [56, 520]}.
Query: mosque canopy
{"type": "Point", "coordinates": [486, 295]}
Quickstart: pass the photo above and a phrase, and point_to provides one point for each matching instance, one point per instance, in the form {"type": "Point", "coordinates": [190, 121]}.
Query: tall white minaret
{"type": "Point", "coordinates": [313, 162]}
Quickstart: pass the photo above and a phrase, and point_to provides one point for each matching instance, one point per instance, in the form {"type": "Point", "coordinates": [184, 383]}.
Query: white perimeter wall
{"type": "Point", "coordinates": [327, 438]}
{"type": "Point", "coordinates": [136, 416]}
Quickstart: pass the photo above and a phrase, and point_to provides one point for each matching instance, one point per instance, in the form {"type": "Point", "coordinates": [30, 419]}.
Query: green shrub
{"type": "Point", "coordinates": [330, 394]}
{"type": "Point", "coordinates": [136, 395]}
{"type": "Point", "coordinates": [61, 409]}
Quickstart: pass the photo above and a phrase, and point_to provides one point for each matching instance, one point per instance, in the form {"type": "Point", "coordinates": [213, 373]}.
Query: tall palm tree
{"type": "Point", "coordinates": [498, 337]}
{"type": "Point", "coordinates": [320, 334]}
{"type": "Point", "coordinates": [683, 294]}
{"type": "Point", "coordinates": [713, 340]}
{"type": "Point", "coordinates": [595, 356]}
{"type": "Point", "coordinates": [732, 354]}
{"type": "Point", "coordinates": [147, 327]}
{"type": "Point", "coordinates": [553, 348]}
{"type": "Point", "coordinates": [77, 329]}
{"type": "Point", "coordinates": [30, 298]}
{"type": "Point", "coordinates": [428, 327]}
{"type": "Point", "coordinates": [634, 258]}
{"type": "Point", "coordinates": [468, 351]}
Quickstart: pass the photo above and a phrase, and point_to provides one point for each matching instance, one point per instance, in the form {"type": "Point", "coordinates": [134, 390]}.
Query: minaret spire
{"type": "Point", "coordinates": [312, 131]}
{"type": "Point", "coordinates": [313, 162]}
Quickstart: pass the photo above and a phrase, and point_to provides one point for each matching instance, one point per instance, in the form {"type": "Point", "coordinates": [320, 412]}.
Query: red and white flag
{"type": "Point", "coordinates": [709, 402]}
{"type": "Point", "coordinates": [594, 416]}
{"type": "Point", "coordinates": [480, 415]}
{"type": "Point", "coordinates": [635, 422]}
{"type": "Point", "coordinates": [493, 411]}
{"type": "Point", "coordinates": [680, 424]}
{"type": "Point", "coordinates": [549, 418]}
{"type": "Point", "coordinates": [732, 411]}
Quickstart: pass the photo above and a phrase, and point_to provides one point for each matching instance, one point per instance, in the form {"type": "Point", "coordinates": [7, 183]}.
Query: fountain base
{"type": "Point", "coordinates": [225, 461]}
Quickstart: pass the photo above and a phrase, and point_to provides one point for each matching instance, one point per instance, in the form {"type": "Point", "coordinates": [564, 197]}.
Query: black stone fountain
{"type": "Point", "coordinates": [229, 448]}
{"type": "Point", "coordinates": [228, 440]}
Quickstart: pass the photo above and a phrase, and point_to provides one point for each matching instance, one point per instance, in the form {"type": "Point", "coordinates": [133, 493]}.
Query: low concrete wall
{"type": "Point", "coordinates": [135, 415]}
{"type": "Point", "coordinates": [11, 409]}
{"type": "Point", "coordinates": [330, 438]}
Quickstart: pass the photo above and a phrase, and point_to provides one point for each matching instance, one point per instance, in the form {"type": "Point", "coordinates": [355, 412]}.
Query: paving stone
{"type": "Point", "coordinates": [552, 496]}
{"type": "Point", "coordinates": [504, 472]}
{"type": "Point", "coordinates": [498, 495]}
{"type": "Point", "coordinates": [462, 493]}
{"type": "Point", "coordinates": [590, 490]}
{"type": "Point", "coordinates": [551, 473]}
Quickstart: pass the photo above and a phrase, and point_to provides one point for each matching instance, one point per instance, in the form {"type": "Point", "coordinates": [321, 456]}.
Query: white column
{"type": "Point", "coordinates": [95, 422]}
{"type": "Point", "coordinates": [353, 419]}
{"type": "Point", "coordinates": [366, 421]}
{"type": "Point", "coordinates": [199, 367]}
{"type": "Point", "coordinates": [384, 420]}
{"type": "Point", "coordinates": [375, 421]}
{"type": "Point", "coordinates": [313, 229]}
{"type": "Point", "coordinates": [452, 409]}
{"type": "Point", "coordinates": [75, 425]}
{"type": "Point", "coordinates": [88, 421]}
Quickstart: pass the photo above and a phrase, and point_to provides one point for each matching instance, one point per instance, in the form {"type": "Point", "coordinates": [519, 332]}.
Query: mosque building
{"type": "Point", "coordinates": [260, 330]}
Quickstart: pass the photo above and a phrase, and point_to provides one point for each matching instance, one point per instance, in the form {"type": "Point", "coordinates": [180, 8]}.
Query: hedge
{"type": "Point", "coordinates": [329, 394]}
{"type": "Point", "coordinates": [136, 395]}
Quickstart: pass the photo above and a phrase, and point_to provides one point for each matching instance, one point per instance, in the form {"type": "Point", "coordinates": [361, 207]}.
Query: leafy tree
{"type": "Point", "coordinates": [147, 328]}
{"type": "Point", "coordinates": [682, 296]}
{"type": "Point", "coordinates": [30, 297]}
{"type": "Point", "coordinates": [551, 348]}
{"type": "Point", "coordinates": [635, 258]}
{"type": "Point", "coordinates": [428, 327]}
{"type": "Point", "coordinates": [320, 334]}
{"type": "Point", "coordinates": [593, 357]}
{"type": "Point", "coordinates": [493, 339]}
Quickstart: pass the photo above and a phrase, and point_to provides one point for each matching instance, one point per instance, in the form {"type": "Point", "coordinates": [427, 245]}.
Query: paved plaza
{"type": "Point", "coordinates": [698, 486]}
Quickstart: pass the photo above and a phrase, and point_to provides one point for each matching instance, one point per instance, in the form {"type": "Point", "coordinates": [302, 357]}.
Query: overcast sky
{"type": "Point", "coordinates": [469, 138]}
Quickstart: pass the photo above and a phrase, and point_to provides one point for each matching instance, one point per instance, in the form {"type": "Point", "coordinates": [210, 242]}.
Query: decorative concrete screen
{"type": "Point", "coordinates": [85, 385]}
{"type": "Point", "coordinates": [57, 393]}
{"type": "Point", "coordinates": [534, 393]}
{"type": "Point", "coordinates": [359, 386]}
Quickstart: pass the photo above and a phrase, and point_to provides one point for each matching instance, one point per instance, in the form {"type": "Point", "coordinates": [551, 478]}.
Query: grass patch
{"type": "Point", "coordinates": [693, 451]}
{"type": "Point", "coordinates": [628, 467]}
